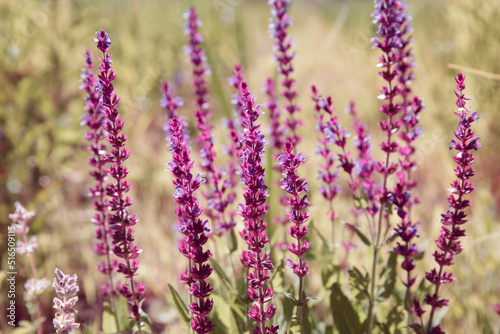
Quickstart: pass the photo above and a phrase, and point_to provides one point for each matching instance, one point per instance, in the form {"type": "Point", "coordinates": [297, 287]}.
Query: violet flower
{"type": "Point", "coordinates": [121, 221]}
{"type": "Point", "coordinates": [395, 32]}
{"type": "Point", "coordinates": [327, 172]}
{"type": "Point", "coordinates": [453, 220]}
{"type": "Point", "coordinates": [276, 131]}
{"type": "Point", "coordinates": [365, 166]}
{"type": "Point", "coordinates": [94, 119]}
{"type": "Point", "coordinates": [392, 27]}
{"type": "Point", "coordinates": [296, 187]}
{"type": "Point", "coordinates": [406, 231]}
{"type": "Point", "coordinates": [198, 60]}
{"type": "Point", "coordinates": [335, 134]}
{"type": "Point", "coordinates": [66, 289]}
{"type": "Point", "coordinates": [171, 104]}
{"type": "Point", "coordinates": [255, 193]}
{"type": "Point", "coordinates": [217, 199]}
{"type": "Point", "coordinates": [194, 229]}
{"type": "Point", "coordinates": [283, 43]}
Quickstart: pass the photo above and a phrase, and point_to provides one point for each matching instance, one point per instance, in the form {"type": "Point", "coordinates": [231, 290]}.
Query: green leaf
{"type": "Point", "coordinates": [144, 322]}
{"type": "Point", "coordinates": [421, 249]}
{"type": "Point", "coordinates": [179, 304]}
{"type": "Point", "coordinates": [287, 307]}
{"type": "Point", "coordinates": [238, 317]}
{"type": "Point", "coordinates": [417, 328]}
{"type": "Point", "coordinates": [306, 318]}
{"type": "Point", "coordinates": [361, 202]}
{"type": "Point", "coordinates": [388, 208]}
{"type": "Point", "coordinates": [439, 314]}
{"type": "Point", "coordinates": [222, 275]}
{"type": "Point", "coordinates": [222, 245]}
{"type": "Point", "coordinates": [86, 329]}
{"type": "Point", "coordinates": [345, 317]}
{"type": "Point", "coordinates": [220, 315]}
{"type": "Point", "coordinates": [393, 317]}
{"type": "Point", "coordinates": [360, 234]}
{"type": "Point", "coordinates": [291, 297]}
{"type": "Point", "coordinates": [108, 320]}
{"type": "Point", "coordinates": [122, 313]}
{"type": "Point", "coordinates": [326, 245]}
{"type": "Point", "coordinates": [233, 242]}
{"type": "Point", "coordinates": [390, 281]}
{"type": "Point", "coordinates": [359, 283]}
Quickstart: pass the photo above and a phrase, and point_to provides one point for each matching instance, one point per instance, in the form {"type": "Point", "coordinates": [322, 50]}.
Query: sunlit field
{"type": "Point", "coordinates": [44, 162]}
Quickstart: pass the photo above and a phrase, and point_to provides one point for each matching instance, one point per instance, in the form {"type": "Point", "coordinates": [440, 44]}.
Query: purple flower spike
{"type": "Point", "coordinates": [171, 105]}
{"type": "Point", "coordinates": [327, 173]}
{"type": "Point", "coordinates": [296, 187]}
{"type": "Point", "coordinates": [217, 199]}
{"type": "Point", "coordinates": [194, 229]}
{"type": "Point", "coordinates": [94, 119]}
{"type": "Point", "coordinates": [276, 132]}
{"type": "Point", "coordinates": [335, 133]}
{"type": "Point", "coordinates": [406, 231]}
{"type": "Point", "coordinates": [121, 221]}
{"type": "Point", "coordinates": [255, 193]}
{"type": "Point", "coordinates": [278, 27]}
{"type": "Point", "coordinates": [66, 289]}
{"type": "Point", "coordinates": [448, 243]}
{"type": "Point", "coordinates": [198, 60]}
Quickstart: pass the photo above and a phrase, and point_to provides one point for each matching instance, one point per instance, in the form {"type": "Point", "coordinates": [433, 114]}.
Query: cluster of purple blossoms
{"type": "Point", "coordinates": [66, 289]}
{"type": "Point", "coordinates": [280, 133]}
{"type": "Point", "coordinates": [389, 15]}
{"type": "Point", "coordinates": [397, 61]}
{"type": "Point", "coordinates": [276, 131]}
{"type": "Point", "coordinates": [171, 104]}
{"type": "Point", "coordinates": [121, 221]}
{"type": "Point", "coordinates": [327, 173]}
{"type": "Point", "coordinates": [194, 229]}
{"type": "Point", "coordinates": [255, 207]}
{"type": "Point", "coordinates": [364, 168]}
{"type": "Point", "coordinates": [94, 119]}
{"type": "Point", "coordinates": [296, 186]}
{"type": "Point", "coordinates": [217, 199]}
{"type": "Point", "coordinates": [334, 133]}
{"type": "Point", "coordinates": [278, 27]}
{"type": "Point", "coordinates": [453, 220]}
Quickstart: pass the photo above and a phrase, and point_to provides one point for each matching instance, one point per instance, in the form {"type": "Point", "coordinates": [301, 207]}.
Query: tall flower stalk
{"type": "Point", "coordinates": [296, 187]}
{"type": "Point", "coordinates": [194, 229]}
{"type": "Point", "coordinates": [284, 56]}
{"type": "Point", "coordinates": [66, 287]}
{"type": "Point", "coordinates": [121, 221]}
{"type": "Point", "coordinates": [252, 211]}
{"type": "Point", "coordinates": [171, 105]}
{"type": "Point", "coordinates": [392, 26]}
{"type": "Point", "coordinates": [327, 171]}
{"type": "Point", "coordinates": [27, 246]}
{"type": "Point", "coordinates": [94, 119]}
{"type": "Point", "coordinates": [217, 199]}
{"type": "Point", "coordinates": [455, 217]}
{"type": "Point", "coordinates": [403, 194]}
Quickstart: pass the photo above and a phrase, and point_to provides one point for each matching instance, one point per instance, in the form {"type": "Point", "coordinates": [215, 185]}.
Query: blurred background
{"type": "Point", "coordinates": [43, 152]}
